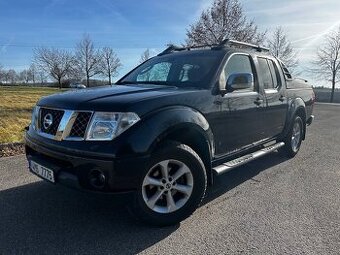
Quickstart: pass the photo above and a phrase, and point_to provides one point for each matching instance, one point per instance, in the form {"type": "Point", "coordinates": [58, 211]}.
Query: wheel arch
{"type": "Point", "coordinates": [194, 137]}
{"type": "Point", "coordinates": [297, 107]}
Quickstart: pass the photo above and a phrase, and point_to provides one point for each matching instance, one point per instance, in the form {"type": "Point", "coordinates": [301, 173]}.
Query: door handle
{"type": "Point", "coordinates": [282, 98]}
{"type": "Point", "coordinates": [258, 101]}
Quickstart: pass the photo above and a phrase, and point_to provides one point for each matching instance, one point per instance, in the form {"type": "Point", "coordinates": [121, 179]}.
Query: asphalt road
{"type": "Point", "coordinates": [270, 206]}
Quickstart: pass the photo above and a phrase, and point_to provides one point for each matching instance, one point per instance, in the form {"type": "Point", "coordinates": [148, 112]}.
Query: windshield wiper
{"type": "Point", "coordinates": [156, 83]}
{"type": "Point", "coordinates": [145, 82]}
{"type": "Point", "coordinates": [126, 82]}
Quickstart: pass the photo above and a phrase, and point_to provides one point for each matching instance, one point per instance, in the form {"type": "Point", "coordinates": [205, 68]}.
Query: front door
{"type": "Point", "coordinates": [241, 120]}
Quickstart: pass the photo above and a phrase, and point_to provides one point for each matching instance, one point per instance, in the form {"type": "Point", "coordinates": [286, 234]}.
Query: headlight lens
{"type": "Point", "coordinates": [105, 126]}
{"type": "Point", "coordinates": [34, 120]}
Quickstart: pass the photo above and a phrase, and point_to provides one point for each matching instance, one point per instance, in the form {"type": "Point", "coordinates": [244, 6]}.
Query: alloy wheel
{"type": "Point", "coordinates": [167, 186]}
{"type": "Point", "coordinates": [296, 136]}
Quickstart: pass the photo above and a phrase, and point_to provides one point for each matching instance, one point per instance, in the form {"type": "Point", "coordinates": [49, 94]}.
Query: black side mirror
{"type": "Point", "coordinates": [238, 81]}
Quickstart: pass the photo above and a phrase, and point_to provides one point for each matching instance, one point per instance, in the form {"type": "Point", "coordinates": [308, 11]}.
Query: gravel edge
{"type": "Point", "coordinates": [11, 149]}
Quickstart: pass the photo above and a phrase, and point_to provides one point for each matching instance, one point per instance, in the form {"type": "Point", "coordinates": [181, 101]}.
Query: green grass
{"type": "Point", "coordinates": [16, 105]}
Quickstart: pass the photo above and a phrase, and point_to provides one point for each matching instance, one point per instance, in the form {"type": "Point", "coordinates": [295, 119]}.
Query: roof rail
{"type": "Point", "coordinates": [172, 48]}
{"type": "Point", "coordinates": [228, 42]}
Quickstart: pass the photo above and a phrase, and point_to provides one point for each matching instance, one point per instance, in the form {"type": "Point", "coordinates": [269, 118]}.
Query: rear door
{"type": "Point", "coordinates": [242, 112]}
{"type": "Point", "coordinates": [272, 80]}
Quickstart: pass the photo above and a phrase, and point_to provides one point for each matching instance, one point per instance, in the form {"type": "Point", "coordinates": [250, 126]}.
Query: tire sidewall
{"type": "Point", "coordinates": [289, 147]}
{"type": "Point", "coordinates": [186, 155]}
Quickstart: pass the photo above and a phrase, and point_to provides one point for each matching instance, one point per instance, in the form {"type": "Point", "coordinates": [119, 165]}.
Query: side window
{"type": "Point", "coordinates": [286, 71]}
{"type": "Point", "coordinates": [157, 72]}
{"type": "Point", "coordinates": [238, 64]}
{"type": "Point", "coordinates": [275, 73]}
{"type": "Point", "coordinates": [265, 73]}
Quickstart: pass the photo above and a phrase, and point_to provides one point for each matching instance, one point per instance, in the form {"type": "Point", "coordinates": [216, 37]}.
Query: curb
{"type": "Point", "coordinates": [322, 103]}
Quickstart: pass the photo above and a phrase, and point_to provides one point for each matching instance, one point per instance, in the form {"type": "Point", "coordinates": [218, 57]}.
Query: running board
{"type": "Point", "coordinates": [225, 167]}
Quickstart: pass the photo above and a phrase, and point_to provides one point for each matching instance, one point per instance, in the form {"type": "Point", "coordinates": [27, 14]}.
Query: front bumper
{"type": "Point", "coordinates": [74, 169]}
{"type": "Point", "coordinates": [310, 120]}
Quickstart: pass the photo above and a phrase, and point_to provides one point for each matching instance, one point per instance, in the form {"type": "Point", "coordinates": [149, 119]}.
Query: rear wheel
{"type": "Point", "coordinates": [294, 138]}
{"type": "Point", "coordinates": [172, 186]}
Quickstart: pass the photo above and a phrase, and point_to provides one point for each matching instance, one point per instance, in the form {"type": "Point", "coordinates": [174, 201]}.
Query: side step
{"type": "Point", "coordinates": [225, 167]}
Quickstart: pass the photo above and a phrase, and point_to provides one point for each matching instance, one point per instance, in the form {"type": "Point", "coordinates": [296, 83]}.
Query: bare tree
{"type": "Point", "coordinates": [32, 71]}
{"type": "Point", "coordinates": [12, 76]}
{"type": "Point", "coordinates": [24, 76]}
{"type": "Point", "coordinates": [145, 56]}
{"type": "Point", "coordinates": [88, 59]}
{"type": "Point", "coordinates": [327, 63]}
{"type": "Point", "coordinates": [1, 73]}
{"type": "Point", "coordinates": [42, 76]}
{"type": "Point", "coordinates": [223, 20]}
{"type": "Point", "coordinates": [109, 63]}
{"type": "Point", "coordinates": [281, 48]}
{"type": "Point", "coordinates": [57, 63]}
{"type": "Point", "coordinates": [6, 77]}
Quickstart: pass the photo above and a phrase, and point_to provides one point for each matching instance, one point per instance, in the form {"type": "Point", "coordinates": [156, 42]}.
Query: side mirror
{"type": "Point", "coordinates": [238, 81]}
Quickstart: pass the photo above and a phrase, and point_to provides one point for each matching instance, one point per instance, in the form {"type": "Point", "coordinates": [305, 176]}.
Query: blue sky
{"type": "Point", "coordinates": [132, 26]}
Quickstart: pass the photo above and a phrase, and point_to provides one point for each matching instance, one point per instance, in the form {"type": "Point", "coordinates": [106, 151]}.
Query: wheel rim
{"type": "Point", "coordinates": [167, 186]}
{"type": "Point", "coordinates": [296, 136]}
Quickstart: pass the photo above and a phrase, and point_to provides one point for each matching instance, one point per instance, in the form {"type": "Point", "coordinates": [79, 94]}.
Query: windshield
{"type": "Point", "coordinates": [181, 70]}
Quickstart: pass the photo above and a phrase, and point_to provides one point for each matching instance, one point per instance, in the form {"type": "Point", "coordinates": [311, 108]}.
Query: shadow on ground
{"type": "Point", "coordinates": [237, 176]}
{"type": "Point", "coordinates": [41, 218]}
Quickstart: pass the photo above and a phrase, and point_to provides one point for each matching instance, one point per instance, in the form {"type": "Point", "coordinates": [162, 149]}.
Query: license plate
{"type": "Point", "coordinates": [42, 171]}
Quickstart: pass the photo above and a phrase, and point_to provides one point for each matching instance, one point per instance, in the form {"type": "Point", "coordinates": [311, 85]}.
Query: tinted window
{"type": "Point", "coordinates": [286, 71]}
{"type": "Point", "coordinates": [238, 64]}
{"type": "Point", "coordinates": [194, 69]}
{"type": "Point", "coordinates": [157, 72]}
{"type": "Point", "coordinates": [265, 74]}
{"type": "Point", "coordinates": [275, 73]}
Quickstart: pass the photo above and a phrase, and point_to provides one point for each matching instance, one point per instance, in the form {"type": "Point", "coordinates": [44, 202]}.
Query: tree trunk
{"type": "Point", "coordinates": [87, 81]}
{"type": "Point", "coordinates": [333, 88]}
{"type": "Point", "coordinates": [110, 79]}
{"type": "Point", "coordinates": [59, 82]}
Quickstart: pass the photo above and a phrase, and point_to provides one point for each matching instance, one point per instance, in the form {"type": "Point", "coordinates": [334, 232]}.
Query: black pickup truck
{"type": "Point", "coordinates": [170, 126]}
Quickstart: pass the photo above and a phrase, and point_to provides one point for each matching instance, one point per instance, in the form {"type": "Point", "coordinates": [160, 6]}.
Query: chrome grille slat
{"type": "Point", "coordinates": [70, 125]}
{"type": "Point", "coordinates": [80, 124]}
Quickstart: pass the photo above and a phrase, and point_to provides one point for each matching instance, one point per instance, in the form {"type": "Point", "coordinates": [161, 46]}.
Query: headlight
{"type": "Point", "coordinates": [35, 115]}
{"type": "Point", "coordinates": [105, 126]}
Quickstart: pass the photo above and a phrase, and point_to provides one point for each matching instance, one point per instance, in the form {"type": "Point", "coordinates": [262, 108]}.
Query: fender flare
{"type": "Point", "coordinates": [158, 124]}
{"type": "Point", "coordinates": [294, 106]}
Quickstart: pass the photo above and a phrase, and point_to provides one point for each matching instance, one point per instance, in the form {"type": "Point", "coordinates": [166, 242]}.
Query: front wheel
{"type": "Point", "coordinates": [172, 186]}
{"type": "Point", "coordinates": [294, 138]}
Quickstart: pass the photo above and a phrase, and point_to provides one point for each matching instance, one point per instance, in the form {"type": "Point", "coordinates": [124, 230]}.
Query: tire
{"type": "Point", "coordinates": [172, 186]}
{"type": "Point", "coordinates": [294, 138]}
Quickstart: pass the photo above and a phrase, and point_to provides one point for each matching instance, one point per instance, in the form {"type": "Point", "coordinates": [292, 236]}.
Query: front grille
{"type": "Point", "coordinates": [54, 116]}
{"type": "Point", "coordinates": [80, 124]}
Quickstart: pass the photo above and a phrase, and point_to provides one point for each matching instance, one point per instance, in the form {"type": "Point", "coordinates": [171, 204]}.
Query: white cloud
{"type": "Point", "coordinates": [306, 23]}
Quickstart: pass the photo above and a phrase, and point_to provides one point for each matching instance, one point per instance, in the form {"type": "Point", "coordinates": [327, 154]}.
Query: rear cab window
{"type": "Point", "coordinates": [271, 78]}
{"type": "Point", "coordinates": [286, 72]}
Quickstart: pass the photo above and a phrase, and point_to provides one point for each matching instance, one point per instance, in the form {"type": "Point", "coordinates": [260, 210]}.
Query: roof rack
{"type": "Point", "coordinates": [227, 42]}
{"type": "Point", "coordinates": [172, 48]}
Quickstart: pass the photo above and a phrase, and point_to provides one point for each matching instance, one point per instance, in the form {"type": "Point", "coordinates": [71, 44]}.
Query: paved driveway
{"type": "Point", "coordinates": [270, 206]}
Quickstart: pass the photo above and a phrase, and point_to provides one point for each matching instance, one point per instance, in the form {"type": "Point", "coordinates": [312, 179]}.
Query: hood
{"type": "Point", "coordinates": [119, 94]}
{"type": "Point", "coordinates": [116, 98]}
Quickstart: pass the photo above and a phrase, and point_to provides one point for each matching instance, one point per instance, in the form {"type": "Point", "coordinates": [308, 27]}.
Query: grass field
{"type": "Point", "coordinates": [16, 104]}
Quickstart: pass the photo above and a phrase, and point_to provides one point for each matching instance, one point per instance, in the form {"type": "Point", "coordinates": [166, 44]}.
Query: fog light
{"type": "Point", "coordinates": [97, 179]}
